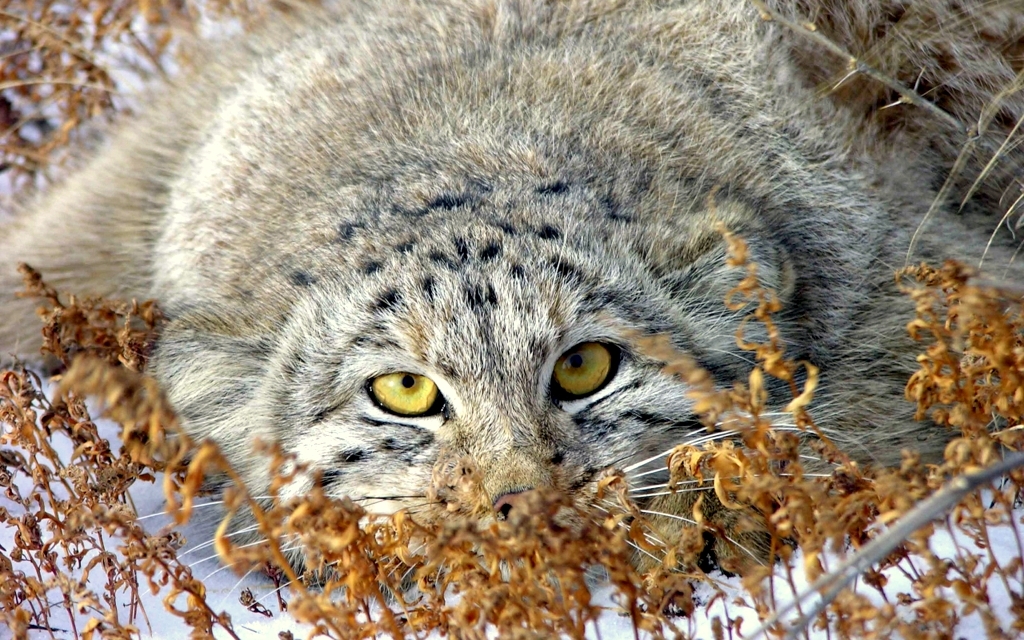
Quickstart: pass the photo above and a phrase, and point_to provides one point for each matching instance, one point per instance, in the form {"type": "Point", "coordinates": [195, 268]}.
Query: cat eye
{"type": "Point", "coordinates": [405, 394]}
{"type": "Point", "coordinates": [584, 369]}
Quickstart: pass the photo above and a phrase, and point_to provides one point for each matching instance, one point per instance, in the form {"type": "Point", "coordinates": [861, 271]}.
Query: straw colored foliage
{"type": "Point", "coordinates": [530, 576]}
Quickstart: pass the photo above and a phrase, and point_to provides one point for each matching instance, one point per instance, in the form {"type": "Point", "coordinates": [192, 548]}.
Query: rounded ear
{"type": "Point", "coordinates": [688, 254]}
{"type": "Point", "coordinates": [935, 77]}
{"type": "Point", "coordinates": [689, 260]}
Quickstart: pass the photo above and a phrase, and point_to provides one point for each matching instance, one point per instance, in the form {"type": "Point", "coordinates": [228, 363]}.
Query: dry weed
{"type": "Point", "coordinates": [528, 577]}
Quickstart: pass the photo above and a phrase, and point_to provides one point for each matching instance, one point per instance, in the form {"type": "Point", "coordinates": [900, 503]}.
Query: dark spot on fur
{"type": "Point", "coordinates": [462, 248]}
{"type": "Point", "coordinates": [651, 419]}
{"type": "Point", "coordinates": [346, 231]}
{"type": "Point", "coordinates": [567, 270]}
{"type": "Point", "coordinates": [601, 298]}
{"type": "Point", "coordinates": [405, 247]}
{"type": "Point", "coordinates": [517, 271]}
{"type": "Point", "coordinates": [412, 213]}
{"type": "Point", "coordinates": [407, 449]}
{"type": "Point", "coordinates": [708, 559]}
{"type": "Point", "coordinates": [549, 232]}
{"type": "Point", "coordinates": [490, 251]}
{"type": "Point", "coordinates": [553, 189]}
{"type": "Point", "coordinates": [428, 287]}
{"type": "Point", "coordinates": [330, 476]}
{"type": "Point", "coordinates": [558, 458]}
{"type": "Point", "coordinates": [505, 226]}
{"type": "Point", "coordinates": [585, 478]}
{"type": "Point", "coordinates": [612, 211]}
{"type": "Point", "coordinates": [372, 267]}
{"type": "Point", "coordinates": [387, 300]}
{"type": "Point", "coordinates": [293, 367]}
{"type": "Point", "coordinates": [353, 455]}
{"type": "Point", "coordinates": [593, 428]}
{"type": "Point", "coordinates": [390, 444]}
{"type": "Point", "coordinates": [440, 258]}
{"type": "Point", "coordinates": [538, 348]}
{"type": "Point", "coordinates": [479, 186]}
{"type": "Point", "coordinates": [322, 414]}
{"type": "Point", "coordinates": [302, 279]}
{"type": "Point", "coordinates": [447, 201]}
{"type": "Point", "coordinates": [262, 347]}
{"type": "Point", "coordinates": [480, 297]}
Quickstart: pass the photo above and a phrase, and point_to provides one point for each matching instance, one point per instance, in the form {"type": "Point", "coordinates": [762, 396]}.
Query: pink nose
{"type": "Point", "coordinates": [506, 502]}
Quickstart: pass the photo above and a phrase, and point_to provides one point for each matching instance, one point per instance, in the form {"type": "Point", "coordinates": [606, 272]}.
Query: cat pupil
{"type": "Point", "coordinates": [575, 361]}
{"type": "Point", "coordinates": [408, 382]}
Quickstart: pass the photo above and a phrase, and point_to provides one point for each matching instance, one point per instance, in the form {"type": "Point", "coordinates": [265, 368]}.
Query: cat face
{"type": "Point", "coordinates": [492, 327]}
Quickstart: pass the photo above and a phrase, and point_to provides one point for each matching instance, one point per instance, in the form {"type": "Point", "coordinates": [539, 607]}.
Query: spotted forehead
{"type": "Point", "coordinates": [481, 285]}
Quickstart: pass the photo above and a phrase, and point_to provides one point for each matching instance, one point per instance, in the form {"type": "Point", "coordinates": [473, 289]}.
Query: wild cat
{"type": "Point", "coordinates": [388, 234]}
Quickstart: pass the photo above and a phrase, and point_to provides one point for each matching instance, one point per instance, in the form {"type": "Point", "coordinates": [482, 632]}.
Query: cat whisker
{"type": "Point", "coordinates": [649, 473]}
{"type": "Point", "coordinates": [213, 503]}
{"type": "Point", "coordinates": [662, 485]}
{"type": "Point", "coordinates": [636, 492]}
{"type": "Point", "coordinates": [647, 535]}
{"type": "Point", "coordinates": [694, 523]}
{"type": "Point", "coordinates": [697, 440]}
{"type": "Point", "coordinates": [214, 556]}
{"type": "Point", "coordinates": [382, 498]}
{"type": "Point", "coordinates": [210, 543]}
{"type": "Point", "coordinates": [276, 590]}
{"type": "Point", "coordinates": [711, 437]}
{"type": "Point", "coordinates": [653, 458]}
{"type": "Point", "coordinates": [224, 600]}
{"type": "Point", "coordinates": [671, 493]}
{"type": "Point", "coordinates": [415, 551]}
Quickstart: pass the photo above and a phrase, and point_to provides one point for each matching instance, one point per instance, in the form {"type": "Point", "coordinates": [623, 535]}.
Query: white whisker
{"type": "Point", "coordinates": [421, 547]}
{"type": "Point", "coordinates": [216, 555]}
{"type": "Point", "coordinates": [267, 595]}
{"type": "Point", "coordinates": [662, 485]}
{"type": "Point", "coordinates": [694, 522]}
{"type": "Point", "coordinates": [195, 506]}
{"type": "Point", "coordinates": [232, 590]}
{"type": "Point", "coordinates": [648, 460]}
{"type": "Point", "coordinates": [648, 536]}
{"type": "Point", "coordinates": [210, 543]}
{"type": "Point", "coordinates": [672, 493]}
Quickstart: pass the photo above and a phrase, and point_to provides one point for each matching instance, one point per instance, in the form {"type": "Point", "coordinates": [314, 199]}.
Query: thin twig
{"type": "Point", "coordinates": [856, 65]}
{"type": "Point", "coordinates": [831, 584]}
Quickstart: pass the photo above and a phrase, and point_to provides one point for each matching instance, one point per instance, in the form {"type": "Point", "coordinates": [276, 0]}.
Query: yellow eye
{"type": "Point", "coordinates": [406, 394]}
{"type": "Point", "coordinates": [583, 369]}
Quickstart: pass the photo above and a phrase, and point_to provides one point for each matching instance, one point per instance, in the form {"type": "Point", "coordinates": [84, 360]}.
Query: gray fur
{"type": "Point", "coordinates": [466, 189]}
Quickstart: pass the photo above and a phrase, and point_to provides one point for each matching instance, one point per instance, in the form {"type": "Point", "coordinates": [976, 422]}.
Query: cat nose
{"type": "Point", "coordinates": [513, 499]}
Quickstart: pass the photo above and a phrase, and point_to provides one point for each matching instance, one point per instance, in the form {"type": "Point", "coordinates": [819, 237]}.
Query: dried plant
{"type": "Point", "coordinates": [81, 559]}
{"type": "Point", "coordinates": [399, 576]}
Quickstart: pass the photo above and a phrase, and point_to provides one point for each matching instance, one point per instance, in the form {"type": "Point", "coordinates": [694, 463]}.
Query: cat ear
{"type": "Point", "coordinates": [935, 77]}
{"type": "Point", "coordinates": [688, 254]}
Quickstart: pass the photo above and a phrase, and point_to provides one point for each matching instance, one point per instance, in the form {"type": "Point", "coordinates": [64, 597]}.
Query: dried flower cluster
{"type": "Point", "coordinates": [74, 526]}
{"type": "Point", "coordinates": [57, 73]}
{"type": "Point", "coordinates": [67, 65]}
